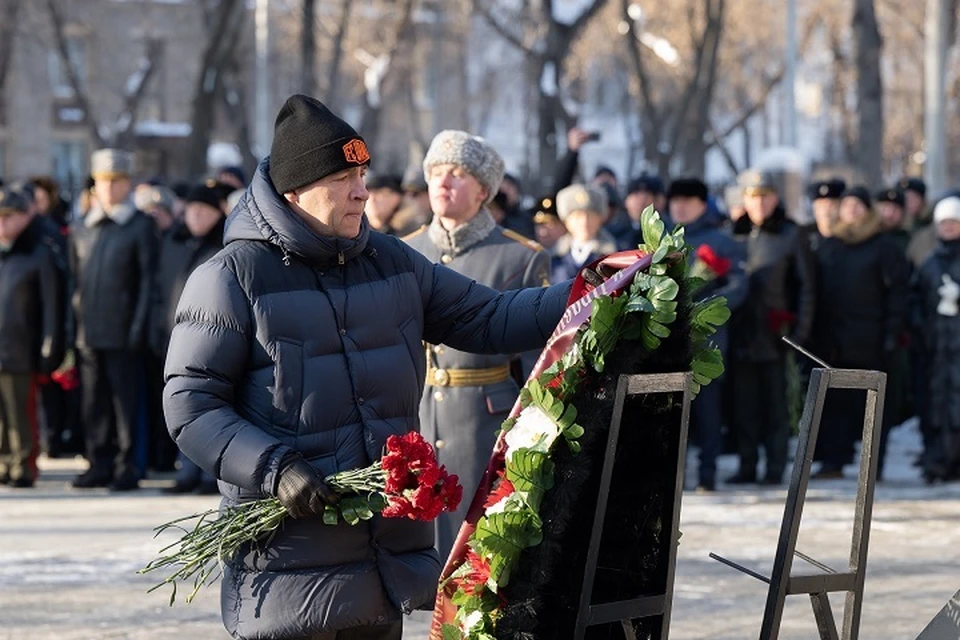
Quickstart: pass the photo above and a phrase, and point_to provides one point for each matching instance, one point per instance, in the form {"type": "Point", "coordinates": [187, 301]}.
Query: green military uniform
{"type": "Point", "coordinates": [469, 395]}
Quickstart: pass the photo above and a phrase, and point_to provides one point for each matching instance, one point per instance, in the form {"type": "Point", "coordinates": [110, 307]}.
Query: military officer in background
{"type": "Point", "coordinates": [467, 395]}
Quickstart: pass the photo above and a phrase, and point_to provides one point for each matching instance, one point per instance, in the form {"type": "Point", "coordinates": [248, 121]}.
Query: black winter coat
{"type": "Point", "coordinates": [941, 333]}
{"type": "Point", "coordinates": [782, 291]}
{"type": "Point", "coordinates": [32, 304]}
{"type": "Point", "coordinates": [112, 269]}
{"type": "Point", "coordinates": [862, 298]}
{"type": "Point", "coordinates": [180, 254]}
{"type": "Point", "coordinates": [289, 343]}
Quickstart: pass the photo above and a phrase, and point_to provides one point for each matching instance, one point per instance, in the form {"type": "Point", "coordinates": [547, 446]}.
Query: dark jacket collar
{"type": "Point", "coordinates": [27, 240]}
{"type": "Point", "coordinates": [263, 216]}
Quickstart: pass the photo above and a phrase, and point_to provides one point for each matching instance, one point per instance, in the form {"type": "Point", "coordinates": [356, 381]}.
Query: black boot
{"type": "Point", "coordinates": [91, 479]}
{"type": "Point", "coordinates": [743, 477]}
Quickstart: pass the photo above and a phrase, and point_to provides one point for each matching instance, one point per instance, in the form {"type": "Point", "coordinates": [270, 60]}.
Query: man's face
{"type": "Point", "coordinates": [549, 232]}
{"type": "Point", "coordinates": [111, 191]}
{"type": "Point", "coordinates": [949, 230]}
{"type": "Point", "coordinates": [454, 193]}
{"type": "Point", "coordinates": [584, 225]}
{"type": "Point", "coordinates": [42, 199]}
{"type": "Point", "coordinates": [760, 205]}
{"type": "Point", "coordinates": [637, 201]}
{"type": "Point", "coordinates": [891, 215]}
{"type": "Point", "coordinates": [686, 210]}
{"type": "Point", "coordinates": [383, 203]}
{"type": "Point", "coordinates": [825, 212]}
{"type": "Point", "coordinates": [12, 225]}
{"type": "Point", "coordinates": [605, 178]}
{"type": "Point", "coordinates": [852, 211]}
{"type": "Point", "coordinates": [915, 203]}
{"type": "Point", "coordinates": [161, 217]}
{"type": "Point", "coordinates": [333, 206]}
{"type": "Point", "coordinates": [512, 191]}
{"type": "Point", "coordinates": [201, 218]}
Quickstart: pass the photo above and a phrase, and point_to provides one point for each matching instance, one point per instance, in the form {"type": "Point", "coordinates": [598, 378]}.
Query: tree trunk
{"type": "Point", "coordinates": [867, 47]}
{"type": "Point", "coordinates": [217, 55]}
{"type": "Point", "coordinates": [308, 48]}
{"type": "Point", "coordinates": [333, 73]}
{"type": "Point", "coordinates": [8, 30]}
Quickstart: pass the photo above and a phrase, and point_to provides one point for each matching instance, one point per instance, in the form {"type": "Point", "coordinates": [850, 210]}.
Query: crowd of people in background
{"type": "Point", "coordinates": [89, 290]}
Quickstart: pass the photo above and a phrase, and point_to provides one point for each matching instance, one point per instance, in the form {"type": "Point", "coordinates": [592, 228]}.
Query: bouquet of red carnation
{"type": "Point", "coordinates": [407, 482]}
{"type": "Point", "coordinates": [708, 265]}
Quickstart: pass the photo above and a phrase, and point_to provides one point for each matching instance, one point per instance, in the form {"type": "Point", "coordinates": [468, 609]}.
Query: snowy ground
{"type": "Point", "coordinates": [68, 559]}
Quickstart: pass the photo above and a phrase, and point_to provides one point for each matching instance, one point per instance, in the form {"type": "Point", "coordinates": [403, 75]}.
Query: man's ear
{"type": "Point", "coordinates": [484, 193]}
{"type": "Point", "coordinates": [291, 197]}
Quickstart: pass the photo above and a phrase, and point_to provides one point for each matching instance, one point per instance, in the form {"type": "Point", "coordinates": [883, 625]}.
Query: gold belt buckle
{"type": "Point", "coordinates": [441, 377]}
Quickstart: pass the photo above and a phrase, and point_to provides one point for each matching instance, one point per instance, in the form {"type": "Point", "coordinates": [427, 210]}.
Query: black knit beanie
{"type": "Point", "coordinates": [310, 143]}
{"type": "Point", "coordinates": [861, 193]}
{"type": "Point", "coordinates": [206, 195]}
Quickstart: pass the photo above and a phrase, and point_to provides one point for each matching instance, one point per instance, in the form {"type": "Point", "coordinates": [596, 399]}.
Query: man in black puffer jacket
{"type": "Point", "coordinates": [296, 353]}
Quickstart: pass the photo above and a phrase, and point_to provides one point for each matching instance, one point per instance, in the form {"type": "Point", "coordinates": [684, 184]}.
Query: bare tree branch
{"type": "Point", "coordinates": [768, 84]}
{"type": "Point", "coordinates": [586, 17]}
{"type": "Point", "coordinates": [134, 94]}
{"type": "Point", "coordinates": [80, 95]}
{"type": "Point", "coordinates": [651, 113]}
{"type": "Point", "coordinates": [480, 6]}
{"type": "Point", "coordinates": [717, 142]}
{"type": "Point", "coordinates": [217, 54]}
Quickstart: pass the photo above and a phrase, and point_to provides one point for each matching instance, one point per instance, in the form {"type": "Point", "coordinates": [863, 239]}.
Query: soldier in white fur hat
{"type": "Point", "coordinates": [468, 395]}
{"type": "Point", "coordinates": [112, 253]}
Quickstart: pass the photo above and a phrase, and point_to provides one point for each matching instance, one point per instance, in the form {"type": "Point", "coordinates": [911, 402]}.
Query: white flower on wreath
{"type": "Point", "coordinates": [533, 430]}
{"type": "Point", "coordinates": [473, 621]}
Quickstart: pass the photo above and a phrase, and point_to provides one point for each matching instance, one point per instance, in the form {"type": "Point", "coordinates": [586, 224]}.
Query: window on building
{"type": "Point", "coordinates": [69, 164]}
{"type": "Point", "coordinates": [59, 78]}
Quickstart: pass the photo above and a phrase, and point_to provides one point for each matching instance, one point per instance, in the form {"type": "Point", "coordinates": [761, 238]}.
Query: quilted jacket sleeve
{"type": "Point", "coordinates": [471, 317]}
{"type": "Point", "coordinates": [206, 361]}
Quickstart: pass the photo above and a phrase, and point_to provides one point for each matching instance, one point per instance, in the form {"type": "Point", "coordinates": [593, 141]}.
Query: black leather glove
{"type": "Point", "coordinates": [301, 489]}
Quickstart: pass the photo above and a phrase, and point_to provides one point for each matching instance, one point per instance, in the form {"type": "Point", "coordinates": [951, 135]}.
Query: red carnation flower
{"type": "Point", "coordinates": [719, 266]}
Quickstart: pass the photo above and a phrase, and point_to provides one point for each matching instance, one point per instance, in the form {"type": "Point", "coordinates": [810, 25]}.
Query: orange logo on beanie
{"type": "Point", "coordinates": [356, 152]}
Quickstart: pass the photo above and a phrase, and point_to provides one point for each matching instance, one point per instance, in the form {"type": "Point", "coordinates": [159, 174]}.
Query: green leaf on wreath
{"type": "Point", "coordinates": [452, 632]}
{"type": "Point", "coordinates": [660, 253]}
{"type": "Point", "coordinates": [530, 471]}
{"type": "Point", "coordinates": [658, 329]}
{"type": "Point", "coordinates": [640, 304]}
{"type": "Point", "coordinates": [569, 416]}
{"type": "Point", "coordinates": [664, 289]}
{"type": "Point", "coordinates": [574, 446]}
{"type": "Point", "coordinates": [502, 536]}
{"type": "Point", "coordinates": [652, 228]}
{"type": "Point", "coordinates": [573, 432]}
{"type": "Point", "coordinates": [708, 315]}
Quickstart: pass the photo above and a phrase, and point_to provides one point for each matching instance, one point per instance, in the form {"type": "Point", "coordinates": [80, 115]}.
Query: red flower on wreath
{"type": "Point", "coordinates": [477, 575]}
{"type": "Point", "coordinates": [504, 489]}
{"type": "Point", "coordinates": [717, 265]}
